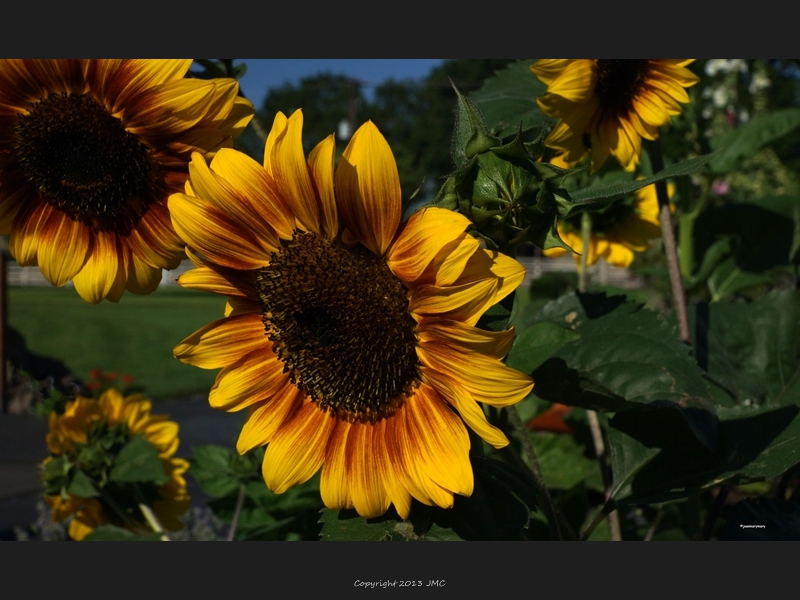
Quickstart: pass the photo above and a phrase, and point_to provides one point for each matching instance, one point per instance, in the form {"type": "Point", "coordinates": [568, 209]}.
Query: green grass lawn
{"type": "Point", "coordinates": [134, 337]}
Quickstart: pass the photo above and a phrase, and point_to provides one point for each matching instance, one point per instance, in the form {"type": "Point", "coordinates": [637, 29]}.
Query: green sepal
{"type": "Point", "coordinates": [470, 135]}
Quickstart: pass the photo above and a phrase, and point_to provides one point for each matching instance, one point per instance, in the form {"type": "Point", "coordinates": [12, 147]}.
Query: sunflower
{"type": "Point", "coordinates": [623, 228]}
{"type": "Point", "coordinates": [88, 436]}
{"type": "Point", "coordinates": [89, 152]}
{"type": "Point", "coordinates": [608, 106]}
{"type": "Point", "coordinates": [349, 337]}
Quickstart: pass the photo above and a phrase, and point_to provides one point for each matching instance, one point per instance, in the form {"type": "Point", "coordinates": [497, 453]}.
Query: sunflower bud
{"type": "Point", "coordinates": [508, 195]}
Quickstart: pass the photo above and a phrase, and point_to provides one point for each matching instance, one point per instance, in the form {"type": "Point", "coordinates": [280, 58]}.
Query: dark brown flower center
{"type": "Point", "coordinates": [618, 82]}
{"type": "Point", "coordinates": [340, 323]}
{"type": "Point", "coordinates": [82, 161]}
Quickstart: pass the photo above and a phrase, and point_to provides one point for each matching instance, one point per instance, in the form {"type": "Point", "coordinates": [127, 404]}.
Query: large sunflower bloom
{"type": "Point", "coordinates": [608, 106]}
{"type": "Point", "coordinates": [87, 434]}
{"type": "Point", "coordinates": [617, 232]}
{"type": "Point", "coordinates": [349, 337]}
{"type": "Point", "coordinates": [89, 152]}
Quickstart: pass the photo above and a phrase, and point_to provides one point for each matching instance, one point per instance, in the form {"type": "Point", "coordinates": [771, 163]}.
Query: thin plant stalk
{"type": "Point", "coordinates": [594, 421]}
{"type": "Point", "coordinates": [237, 511]}
{"type": "Point", "coordinates": [153, 521]}
{"type": "Point", "coordinates": [670, 248]}
{"type": "Point", "coordinates": [600, 450]}
{"type": "Point", "coordinates": [533, 465]}
{"type": "Point", "coordinates": [586, 238]}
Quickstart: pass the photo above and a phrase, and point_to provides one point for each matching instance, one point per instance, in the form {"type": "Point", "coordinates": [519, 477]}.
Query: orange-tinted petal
{"type": "Point", "coordinates": [368, 189]}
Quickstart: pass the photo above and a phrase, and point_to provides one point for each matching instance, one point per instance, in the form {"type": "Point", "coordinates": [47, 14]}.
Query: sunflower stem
{"type": "Point", "coordinates": [237, 511]}
{"type": "Point", "coordinates": [605, 471]}
{"type": "Point", "coordinates": [148, 513]}
{"type": "Point", "coordinates": [586, 238]}
{"type": "Point", "coordinates": [597, 518]}
{"type": "Point", "coordinates": [153, 521]}
{"type": "Point", "coordinates": [533, 465]}
{"type": "Point", "coordinates": [668, 234]}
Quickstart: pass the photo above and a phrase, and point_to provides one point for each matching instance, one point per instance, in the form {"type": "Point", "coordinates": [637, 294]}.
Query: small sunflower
{"type": "Point", "coordinates": [87, 437]}
{"type": "Point", "coordinates": [608, 106]}
{"type": "Point", "coordinates": [89, 152]}
{"type": "Point", "coordinates": [623, 228]}
{"type": "Point", "coordinates": [349, 337]}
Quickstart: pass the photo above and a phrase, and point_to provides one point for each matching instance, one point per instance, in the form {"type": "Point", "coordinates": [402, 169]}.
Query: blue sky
{"type": "Point", "coordinates": [265, 73]}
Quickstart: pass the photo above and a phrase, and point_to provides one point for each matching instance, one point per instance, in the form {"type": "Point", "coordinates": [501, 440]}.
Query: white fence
{"type": "Point", "coordinates": [32, 277]}
{"type": "Point", "coordinates": [602, 273]}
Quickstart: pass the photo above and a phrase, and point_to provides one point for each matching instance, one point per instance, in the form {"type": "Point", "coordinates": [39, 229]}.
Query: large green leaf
{"type": "Point", "coordinates": [211, 468]}
{"type": "Point", "coordinates": [508, 99]}
{"type": "Point", "coordinates": [741, 245]}
{"type": "Point", "coordinates": [598, 196]}
{"type": "Point", "coordinates": [653, 461]}
{"type": "Point", "coordinates": [749, 138]}
{"type": "Point", "coordinates": [138, 462]}
{"type": "Point", "coordinates": [625, 352]}
{"type": "Point", "coordinates": [751, 350]}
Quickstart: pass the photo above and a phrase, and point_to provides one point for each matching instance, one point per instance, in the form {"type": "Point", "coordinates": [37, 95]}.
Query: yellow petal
{"type": "Point", "coordinates": [229, 199]}
{"type": "Point", "coordinates": [223, 342]}
{"type": "Point", "coordinates": [142, 278]}
{"type": "Point", "coordinates": [265, 418]}
{"type": "Point", "coordinates": [250, 193]}
{"type": "Point", "coordinates": [258, 376]}
{"type": "Point", "coordinates": [452, 391]}
{"type": "Point", "coordinates": [495, 344]}
{"type": "Point", "coordinates": [421, 239]}
{"type": "Point", "coordinates": [290, 171]}
{"type": "Point", "coordinates": [333, 484]}
{"type": "Point", "coordinates": [106, 272]}
{"type": "Point", "coordinates": [576, 82]}
{"type": "Point", "coordinates": [451, 260]}
{"type": "Point", "coordinates": [487, 379]}
{"type": "Point", "coordinates": [465, 302]}
{"type": "Point", "coordinates": [441, 440]}
{"type": "Point", "coordinates": [64, 247]}
{"type": "Point", "coordinates": [368, 189]}
{"type": "Point", "coordinates": [297, 450]}
{"type": "Point", "coordinates": [217, 235]}
{"type": "Point", "coordinates": [320, 165]}
{"type": "Point", "coordinates": [363, 476]}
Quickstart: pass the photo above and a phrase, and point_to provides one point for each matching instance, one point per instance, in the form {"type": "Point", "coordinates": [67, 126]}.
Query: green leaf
{"type": "Point", "coordinates": [138, 462]}
{"type": "Point", "coordinates": [111, 533]}
{"type": "Point", "coordinates": [212, 469]}
{"type": "Point", "coordinates": [749, 138]}
{"type": "Point", "coordinates": [744, 244]}
{"type": "Point", "coordinates": [600, 196]}
{"type": "Point", "coordinates": [509, 99]}
{"type": "Point", "coordinates": [654, 461]}
{"type": "Point", "coordinates": [81, 485]}
{"type": "Point", "coordinates": [634, 354]}
{"type": "Point", "coordinates": [751, 350]}
{"type": "Point", "coordinates": [347, 526]}
{"type": "Point", "coordinates": [537, 343]}
{"type": "Point", "coordinates": [563, 463]}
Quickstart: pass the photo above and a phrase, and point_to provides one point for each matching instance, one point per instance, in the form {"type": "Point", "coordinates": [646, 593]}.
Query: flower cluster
{"type": "Point", "coordinates": [84, 477]}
